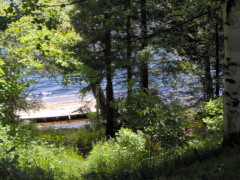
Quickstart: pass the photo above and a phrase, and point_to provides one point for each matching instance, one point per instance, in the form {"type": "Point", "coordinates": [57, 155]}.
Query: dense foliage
{"type": "Point", "coordinates": [94, 40]}
{"type": "Point", "coordinates": [28, 153]}
{"type": "Point", "coordinates": [161, 121]}
{"type": "Point", "coordinates": [214, 112]}
{"type": "Point", "coordinates": [12, 89]}
{"type": "Point", "coordinates": [151, 130]}
{"type": "Point", "coordinates": [116, 158]}
{"type": "Point", "coordinates": [22, 156]}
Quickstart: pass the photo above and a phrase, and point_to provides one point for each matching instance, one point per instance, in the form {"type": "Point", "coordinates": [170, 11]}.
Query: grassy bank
{"type": "Point", "coordinates": [203, 158]}
{"type": "Point", "coordinates": [25, 156]}
{"type": "Point", "coordinates": [81, 138]}
{"type": "Point", "coordinates": [27, 152]}
{"type": "Point", "coordinates": [218, 164]}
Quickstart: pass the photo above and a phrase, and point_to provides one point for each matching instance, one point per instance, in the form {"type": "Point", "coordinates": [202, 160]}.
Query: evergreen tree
{"type": "Point", "coordinates": [191, 32]}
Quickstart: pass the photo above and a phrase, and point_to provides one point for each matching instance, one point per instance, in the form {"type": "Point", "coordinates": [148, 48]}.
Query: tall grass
{"type": "Point", "coordinates": [51, 154]}
{"type": "Point", "coordinates": [120, 159]}
{"type": "Point", "coordinates": [81, 138]}
{"type": "Point", "coordinates": [22, 156]}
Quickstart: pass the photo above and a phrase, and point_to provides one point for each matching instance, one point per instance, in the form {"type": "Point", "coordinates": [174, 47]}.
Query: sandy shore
{"type": "Point", "coordinates": [65, 106]}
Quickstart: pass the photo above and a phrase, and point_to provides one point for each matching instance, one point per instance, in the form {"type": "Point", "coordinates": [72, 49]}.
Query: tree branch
{"type": "Point", "coordinates": [180, 24]}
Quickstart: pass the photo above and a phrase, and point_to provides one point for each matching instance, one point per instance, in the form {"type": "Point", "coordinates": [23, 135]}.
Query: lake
{"type": "Point", "coordinates": [51, 90]}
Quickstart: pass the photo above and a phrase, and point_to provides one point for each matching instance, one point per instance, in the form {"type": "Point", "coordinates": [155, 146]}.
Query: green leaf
{"type": "Point", "coordinates": [10, 150]}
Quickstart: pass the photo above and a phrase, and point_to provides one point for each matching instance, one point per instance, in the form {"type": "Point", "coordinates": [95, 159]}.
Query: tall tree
{"type": "Point", "coordinates": [109, 88]}
{"type": "Point", "coordinates": [95, 21]}
{"type": "Point", "coordinates": [129, 45]}
{"type": "Point", "coordinates": [143, 64]}
{"type": "Point", "coordinates": [190, 32]}
{"type": "Point", "coordinates": [217, 62]}
{"type": "Point", "coordinates": [231, 95]}
{"type": "Point", "coordinates": [34, 44]}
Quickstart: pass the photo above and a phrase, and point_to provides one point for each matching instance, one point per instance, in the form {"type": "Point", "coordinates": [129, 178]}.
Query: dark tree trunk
{"type": "Point", "coordinates": [144, 65]}
{"type": "Point", "coordinates": [109, 88]}
{"type": "Point", "coordinates": [129, 49]}
{"type": "Point", "coordinates": [208, 84]}
{"type": "Point", "coordinates": [217, 63]}
{"type": "Point", "coordinates": [99, 96]}
{"type": "Point", "coordinates": [231, 140]}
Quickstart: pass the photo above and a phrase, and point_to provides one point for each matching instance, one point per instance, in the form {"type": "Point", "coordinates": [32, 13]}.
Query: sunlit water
{"type": "Point", "coordinates": [46, 89]}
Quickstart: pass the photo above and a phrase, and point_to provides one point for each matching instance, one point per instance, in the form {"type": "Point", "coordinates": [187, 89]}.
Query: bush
{"type": "Point", "coordinates": [116, 159]}
{"type": "Point", "coordinates": [161, 121]}
{"type": "Point", "coordinates": [213, 110]}
{"type": "Point", "coordinates": [11, 90]}
{"type": "Point", "coordinates": [95, 122]}
{"type": "Point", "coordinates": [14, 84]}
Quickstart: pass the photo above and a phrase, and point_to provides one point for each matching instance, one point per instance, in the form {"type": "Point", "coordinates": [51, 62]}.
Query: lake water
{"type": "Point", "coordinates": [51, 90]}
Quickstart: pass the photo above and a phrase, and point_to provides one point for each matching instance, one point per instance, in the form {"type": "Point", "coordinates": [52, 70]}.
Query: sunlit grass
{"type": "Point", "coordinates": [23, 156]}
{"type": "Point", "coordinates": [57, 154]}
{"type": "Point", "coordinates": [81, 138]}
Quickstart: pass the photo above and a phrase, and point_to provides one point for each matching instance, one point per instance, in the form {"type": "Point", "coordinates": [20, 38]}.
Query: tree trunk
{"type": "Point", "coordinates": [99, 95]}
{"type": "Point", "coordinates": [217, 64]}
{"type": "Point", "coordinates": [98, 108]}
{"type": "Point", "coordinates": [208, 84]}
{"type": "Point", "coordinates": [129, 48]}
{"type": "Point", "coordinates": [109, 88]}
{"type": "Point", "coordinates": [144, 65]}
{"type": "Point", "coordinates": [231, 95]}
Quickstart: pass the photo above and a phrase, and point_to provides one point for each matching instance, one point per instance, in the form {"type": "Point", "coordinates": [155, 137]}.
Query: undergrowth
{"type": "Point", "coordinates": [116, 159]}
{"type": "Point", "coordinates": [28, 153]}
{"type": "Point", "coordinates": [22, 156]}
{"type": "Point", "coordinates": [81, 138]}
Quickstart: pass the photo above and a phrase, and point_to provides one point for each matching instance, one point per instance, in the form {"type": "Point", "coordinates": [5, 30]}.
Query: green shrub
{"type": "Point", "coordinates": [11, 90]}
{"type": "Point", "coordinates": [14, 84]}
{"type": "Point", "coordinates": [213, 110]}
{"type": "Point", "coordinates": [160, 120]}
{"type": "Point", "coordinates": [133, 142]}
{"type": "Point", "coordinates": [93, 119]}
{"type": "Point", "coordinates": [117, 159]}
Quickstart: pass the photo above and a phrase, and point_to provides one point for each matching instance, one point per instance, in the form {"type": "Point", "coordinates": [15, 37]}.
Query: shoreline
{"type": "Point", "coordinates": [68, 97]}
{"type": "Point", "coordinates": [64, 107]}
{"type": "Point", "coordinates": [70, 124]}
